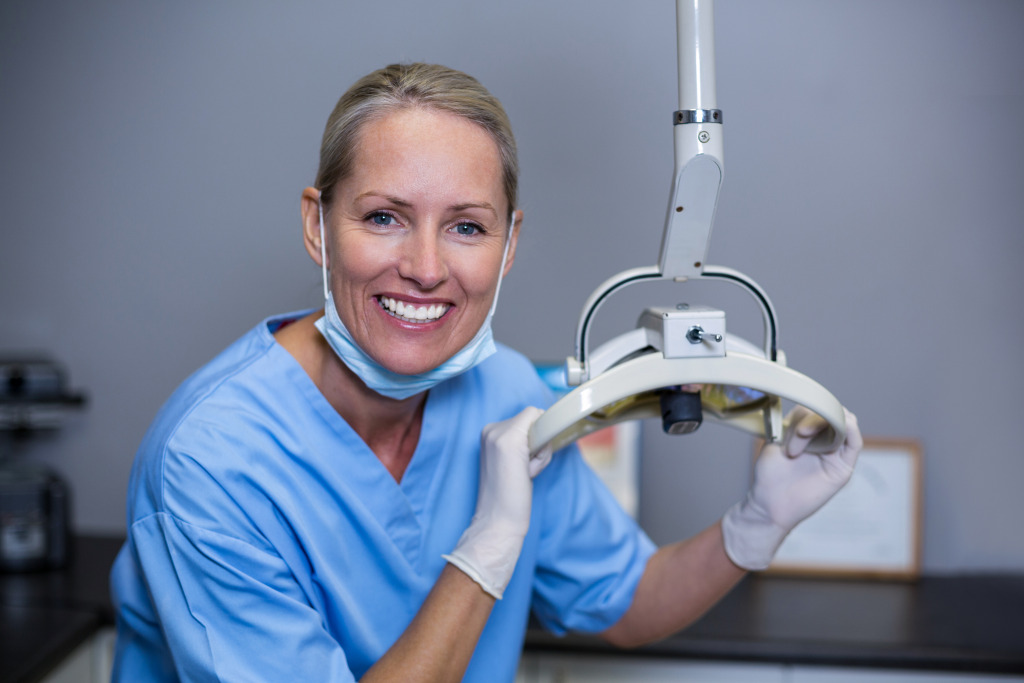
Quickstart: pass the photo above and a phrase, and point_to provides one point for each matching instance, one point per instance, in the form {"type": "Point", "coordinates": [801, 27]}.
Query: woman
{"type": "Point", "coordinates": [347, 494]}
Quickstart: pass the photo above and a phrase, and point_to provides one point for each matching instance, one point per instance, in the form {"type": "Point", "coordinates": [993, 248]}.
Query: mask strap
{"type": "Point", "coordinates": [504, 255]}
{"type": "Point", "coordinates": [323, 249]}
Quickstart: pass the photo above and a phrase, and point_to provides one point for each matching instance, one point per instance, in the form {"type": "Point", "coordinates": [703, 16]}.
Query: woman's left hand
{"type": "Point", "coordinates": [789, 485]}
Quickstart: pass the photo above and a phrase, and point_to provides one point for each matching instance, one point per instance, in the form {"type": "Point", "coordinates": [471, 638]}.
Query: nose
{"type": "Point", "coordinates": [423, 259]}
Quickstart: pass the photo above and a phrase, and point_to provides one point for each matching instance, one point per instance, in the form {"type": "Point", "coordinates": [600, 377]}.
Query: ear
{"type": "Point", "coordinates": [309, 206]}
{"type": "Point", "coordinates": [513, 241]}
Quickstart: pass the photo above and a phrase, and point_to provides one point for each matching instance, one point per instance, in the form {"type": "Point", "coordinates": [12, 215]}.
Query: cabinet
{"type": "Point", "coordinates": [605, 669]}
{"type": "Point", "coordinates": [547, 668]}
{"type": "Point", "coordinates": [90, 662]}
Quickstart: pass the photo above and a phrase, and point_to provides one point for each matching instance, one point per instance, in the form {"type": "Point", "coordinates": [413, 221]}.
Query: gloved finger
{"type": "Point", "coordinates": [771, 454]}
{"type": "Point", "coordinates": [854, 441]}
{"type": "Point", "coordinates": [511, 433]}
{"type": "Point", "coordinates": [540, 461]}
{"type": "Point", "coordinates": [526, 417]}
{"type": "Point", "coordinates": [803, 426]}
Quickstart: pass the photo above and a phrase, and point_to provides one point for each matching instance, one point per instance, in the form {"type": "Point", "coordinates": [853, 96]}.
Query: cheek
{"type": "Point", "coordinates": [354, 262]}
{"type": "Point", "coordinates": [479, 275]}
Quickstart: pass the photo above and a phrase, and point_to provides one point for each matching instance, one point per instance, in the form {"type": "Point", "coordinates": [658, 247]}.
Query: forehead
{"type": "Point", "coordinates": [421, 152]}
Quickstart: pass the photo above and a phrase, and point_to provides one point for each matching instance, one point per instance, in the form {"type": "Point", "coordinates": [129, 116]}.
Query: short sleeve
{"type": "Point", "coordinates": [590, 554]}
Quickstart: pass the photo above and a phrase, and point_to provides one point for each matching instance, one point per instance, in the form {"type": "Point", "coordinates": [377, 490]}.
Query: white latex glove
{"type": "Point", "coordinates": [789, 485]}
{"type": "Point", "coordinates": [489, 548]}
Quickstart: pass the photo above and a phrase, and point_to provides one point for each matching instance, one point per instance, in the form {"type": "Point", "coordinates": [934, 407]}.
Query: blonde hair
{"type": "Point", "coordinates": [405, 86]}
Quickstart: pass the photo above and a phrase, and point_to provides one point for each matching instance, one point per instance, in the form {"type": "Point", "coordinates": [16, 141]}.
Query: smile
{"type": "Point", "coordinates": [410, 312]}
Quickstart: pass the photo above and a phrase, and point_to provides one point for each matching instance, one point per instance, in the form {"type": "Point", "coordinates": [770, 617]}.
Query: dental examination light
{"type": "Point", "coordinates": [679, 363]}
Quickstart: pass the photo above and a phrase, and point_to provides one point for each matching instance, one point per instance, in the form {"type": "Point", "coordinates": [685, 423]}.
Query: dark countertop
{"type": "Point", "coordinates": [950, 623]}
{"type": "Point", "coordinates": [45, 615]}
{"type": "Point", "coordinates": [33, 640]}
{"type": "Point", "coordinates": [963, 623]}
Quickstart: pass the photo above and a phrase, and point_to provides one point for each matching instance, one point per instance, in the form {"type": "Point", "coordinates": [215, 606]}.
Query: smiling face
{"type": "Point", "coordinates": [414, 237]}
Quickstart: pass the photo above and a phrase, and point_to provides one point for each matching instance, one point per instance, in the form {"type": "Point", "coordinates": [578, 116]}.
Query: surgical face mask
{"type": "Point", "coordinates": [379, 378]}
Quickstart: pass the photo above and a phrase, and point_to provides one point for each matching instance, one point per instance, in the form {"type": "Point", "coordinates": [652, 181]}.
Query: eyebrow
{"type": "Point", "coordinates": [457, 207]}
{"type": "Point", "coordinates": [393, 200]}
{"type": "Point", "coordinates": [473, 205]}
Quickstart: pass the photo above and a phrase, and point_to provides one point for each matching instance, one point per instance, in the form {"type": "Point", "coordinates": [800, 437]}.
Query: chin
{"type": "Point", "coordinates": [409, 366]}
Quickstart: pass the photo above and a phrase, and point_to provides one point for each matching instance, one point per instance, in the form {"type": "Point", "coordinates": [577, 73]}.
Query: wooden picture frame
{"type": "Point", "coordinates": [872, 527]}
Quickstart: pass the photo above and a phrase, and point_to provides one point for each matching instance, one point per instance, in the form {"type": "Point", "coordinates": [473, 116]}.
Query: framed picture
{"type": "Point", "coordinates": [872, 527]}
{"type": "Point", "coordinates": [614, 453]}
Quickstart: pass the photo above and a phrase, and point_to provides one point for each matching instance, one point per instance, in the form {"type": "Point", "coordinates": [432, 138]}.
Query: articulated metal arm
{"type": "Point", "coordinates": [625, 377]}
{"type": "Point", "coordinates": [697, 178]}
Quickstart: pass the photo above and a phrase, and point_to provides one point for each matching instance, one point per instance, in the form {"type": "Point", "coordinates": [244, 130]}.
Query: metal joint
{"type": "Point", "coordinates": [697, 116]}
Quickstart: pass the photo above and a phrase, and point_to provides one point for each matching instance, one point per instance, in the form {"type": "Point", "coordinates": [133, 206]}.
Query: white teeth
{"type": "Point", "coordinates": [410, 312]}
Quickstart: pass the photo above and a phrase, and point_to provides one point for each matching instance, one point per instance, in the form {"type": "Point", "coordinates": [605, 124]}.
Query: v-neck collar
{"type": "Point", "coordinates": [433, 454]}
{"type": "Point", "coordinates": [399, 507]}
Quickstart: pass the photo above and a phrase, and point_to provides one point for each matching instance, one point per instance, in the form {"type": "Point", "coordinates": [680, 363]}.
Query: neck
{"type": "Point", "coordinates": [390, 427]}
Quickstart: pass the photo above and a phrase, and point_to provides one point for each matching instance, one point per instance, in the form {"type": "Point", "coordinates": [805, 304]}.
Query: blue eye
{"type": "Point", "coordinates": [382, 219]}
{"type": "Point", "coordinates": [467, 229]}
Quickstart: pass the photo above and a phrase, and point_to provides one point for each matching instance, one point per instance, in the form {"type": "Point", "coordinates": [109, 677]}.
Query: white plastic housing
{"type": "Point", "coordinates": [691, 211]}
{"type": "Point", "coordinates": [580, 411]}
{"type": "Point", "coordinates": [668, 330]}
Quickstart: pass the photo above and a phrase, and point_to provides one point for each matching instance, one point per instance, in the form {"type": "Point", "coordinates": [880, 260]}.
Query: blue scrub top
{"type": "Point", "coordinates": [267, 542]}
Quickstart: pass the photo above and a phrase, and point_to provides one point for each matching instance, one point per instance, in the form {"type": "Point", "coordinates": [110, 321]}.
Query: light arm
{"type": "Point", "coordinates": [697, 137]}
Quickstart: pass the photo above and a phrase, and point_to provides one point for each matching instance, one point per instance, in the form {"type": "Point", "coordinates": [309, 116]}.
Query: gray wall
{"type": "Point", "coordinates": [153, 155]}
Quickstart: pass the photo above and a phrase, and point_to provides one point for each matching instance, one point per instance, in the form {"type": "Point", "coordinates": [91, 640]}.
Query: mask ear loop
{"type": "Point", "coordinates": [504, 255]}
{"type": "Point", "coordinates": [323, 250]}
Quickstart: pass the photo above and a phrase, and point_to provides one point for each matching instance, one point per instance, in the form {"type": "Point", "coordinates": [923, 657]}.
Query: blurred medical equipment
{"type": "Point", "coordinates": [34, 500]}
{"type": "Point", "coordinates": [680, 363]}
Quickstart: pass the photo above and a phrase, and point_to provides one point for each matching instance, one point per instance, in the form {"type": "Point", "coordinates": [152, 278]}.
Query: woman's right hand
{"type": "Point", "coordinates": [489, 548]}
